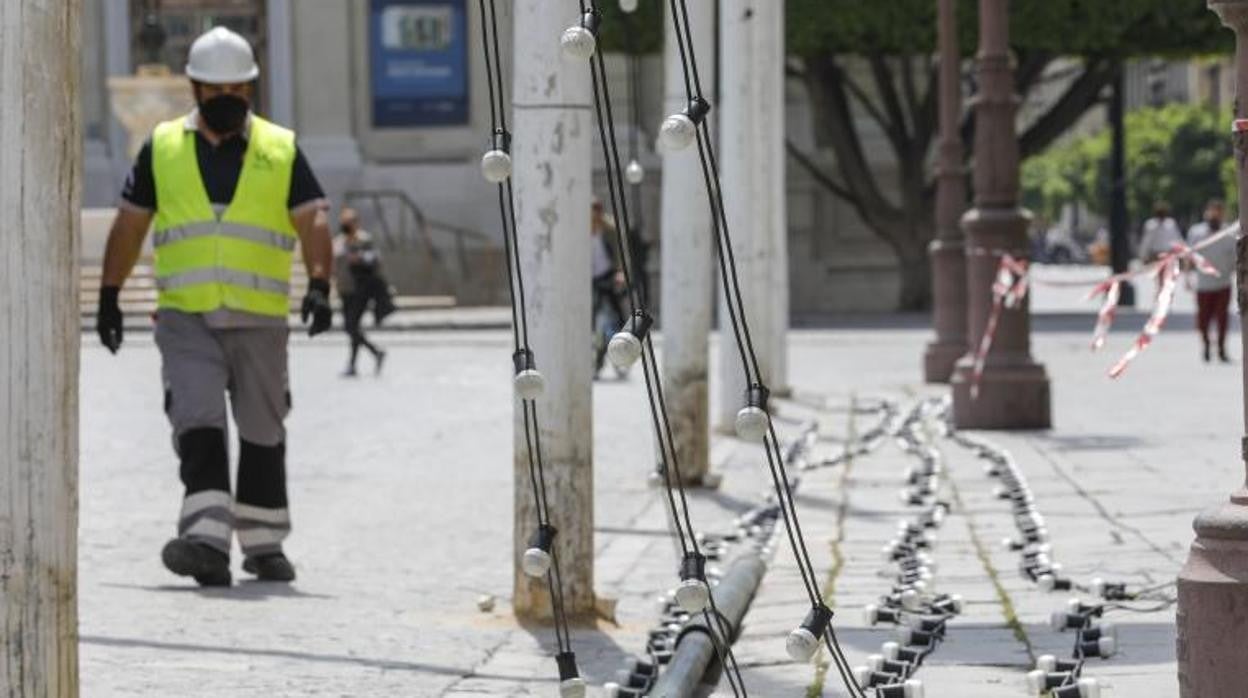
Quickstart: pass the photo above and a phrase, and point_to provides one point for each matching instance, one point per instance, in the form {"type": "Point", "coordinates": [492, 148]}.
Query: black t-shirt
{"type": "Point", "coordinates": [220, 167]}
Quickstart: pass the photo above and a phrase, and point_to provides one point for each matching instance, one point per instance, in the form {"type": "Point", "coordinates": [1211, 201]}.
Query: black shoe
{"type": "Point", "coordinates": [1223, 356]}
{"type": "Point", "coordinates": [207, 565]}
{"type": "Point", "coordinates": [273, 567]}
{"type": "Point", "coordinates": [1207, 354]}
{"type": "Point", "coordinates": [380, 359]}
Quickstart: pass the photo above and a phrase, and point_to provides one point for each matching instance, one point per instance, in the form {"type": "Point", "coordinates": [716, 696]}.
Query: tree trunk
{"type": "Point", "coordinates": [40, 155]}
{"type": "Point", "coordinates": [551, 148]}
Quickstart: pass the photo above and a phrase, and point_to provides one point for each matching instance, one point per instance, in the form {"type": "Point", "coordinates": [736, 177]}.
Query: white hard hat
{"type": "Point", "coordinates": [221, 57]}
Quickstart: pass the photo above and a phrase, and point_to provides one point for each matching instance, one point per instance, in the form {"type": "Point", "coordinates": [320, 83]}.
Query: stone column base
{"type": "Point", "coordinates": [1010, 397]}
{"type": "Point", "coordinates": [939, 361]}
{"type": "Point", "coordinates": [1212, 641]}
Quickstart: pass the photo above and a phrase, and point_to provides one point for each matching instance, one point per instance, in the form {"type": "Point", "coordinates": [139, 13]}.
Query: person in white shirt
{"type": "Point", "coordinates": [1213, 293]}
{"type": "Point", "coordinates": [1160, 234]}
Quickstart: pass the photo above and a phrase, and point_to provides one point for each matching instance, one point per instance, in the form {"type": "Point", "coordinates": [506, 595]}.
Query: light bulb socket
{"type": "Point", "coordinates": [911, 688]}
{"type": "Point", "coordinates": [874, 615]}
{"type": "Point", "coordinates": [523, 360]}
{"type": "Point", "coordinates": [592, 20]}
{"type": "Point", "coordinates": [693, 566]}
{"type": "Point", "coordinates": [1100, 647]}
{"type": "Point", "coordinates": [697, 110]}
{"type": "Point", "coordinates": [1097, 631]}
{"type": "Point", "coordinates": [500, 140]}
{"type": "Point", "coordinates": [567, 666]}
{"type": "Point", "coordinates": [639, 324]}
{"type": "Point", "coordinates": [1061, 620]}
{"type": "Point", "coordinates": [935, 626]}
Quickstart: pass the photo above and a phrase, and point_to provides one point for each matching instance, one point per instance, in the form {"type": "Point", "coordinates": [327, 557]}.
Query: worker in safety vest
{"type": "Point", "coordinates": [232, 198]}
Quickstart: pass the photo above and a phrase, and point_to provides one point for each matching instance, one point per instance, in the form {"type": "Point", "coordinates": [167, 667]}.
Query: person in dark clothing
{"type": "Point", "coordinates": [358, 272]}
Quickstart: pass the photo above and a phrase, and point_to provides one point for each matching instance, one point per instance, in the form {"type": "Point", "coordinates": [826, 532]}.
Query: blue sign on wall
{"type": "Point", "coordinates": [419, 60]}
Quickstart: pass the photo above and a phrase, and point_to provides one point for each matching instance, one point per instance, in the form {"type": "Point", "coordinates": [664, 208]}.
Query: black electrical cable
{"type": "Point", "coordinates": [520, 328]}
{"type": "Point", "coordinates": [720, 635]}
{"type": "Point", "coordinates": [740, 324]}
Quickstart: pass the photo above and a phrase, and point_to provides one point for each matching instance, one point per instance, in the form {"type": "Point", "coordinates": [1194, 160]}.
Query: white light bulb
{"type": "Point", "coordinates": [578, 43]}
{"type": "Point", "coordinates": [869, 614]}
{"type": "Point", "coordinates": [535, 563]}
{"type": "Point", "coordinates": [1047, 582]}
{"type": "Point", "coordinates": [1036, 682]}
{"type": "Point", "coordinates": [692, 595]}
{"type": "Point", "coordinates": [496, 166]}
{"type": "Point", "coordinates": [1107, 646]}
{"type": "Point", "coordinates": [623, 350]}
{"type": "Point", "coordinates": [635, 173]}
{"type": "Point", "coordinates": [611, 689]}
{"type": "Point", "coordinates": [530, 384]}
{"type": "Point", "coordinates": [910, 600]}
{"type": "Point", "coordinates": [678, 132]}
{"type": "Point", "coordinates": [1089, 688]}
{"type": "Point", "coordinates": [801, 645]}
{"type": "Point", "coordinates": [572, 688]}
{"type": "Point", "coordinates": [752, 423]}
{"type": "Point", "coordinates": [875, 661]}
{"type": "Point", "coordinates": [628, 5]}
{"type": "Point", "coordinates": [1046, 662]}
{"type": "Point", "coordinates": [890, 649]}
{"type": "Point", "coordinates": [914, 688]}
{"type": "Point", "coordinates": [862, 675]}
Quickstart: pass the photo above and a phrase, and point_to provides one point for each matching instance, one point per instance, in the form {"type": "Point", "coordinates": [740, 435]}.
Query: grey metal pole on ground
{"type": "Point", "coordinates": [1213, 585]}
{"type": "Point", "coordinates": [688, 255]}
{"type": "Point", "coordinates": [552, 124]}
{"type": "Point", "coordinates": [41, 157]}
{"type": "Point", "coordinates": [695, 649]}
{"type": "Point", "coordinates": [751, 120]}
{"type": "Point", "coordinates": [1014, 389]}
{"type": "Point", "coordinates": [948, 250]}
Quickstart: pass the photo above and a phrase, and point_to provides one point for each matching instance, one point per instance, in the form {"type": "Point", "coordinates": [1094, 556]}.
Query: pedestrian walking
{"type": "Point", "coordinates": [358, 274]}
{"type": "Point", "coordinates": [231, 198]}
{"type": "Point", "coordinates": [608, 281]}
{"type": "Point", "coordinates": [1159, 235]}
{"type": "Point", "coordinates": [1213, 293]}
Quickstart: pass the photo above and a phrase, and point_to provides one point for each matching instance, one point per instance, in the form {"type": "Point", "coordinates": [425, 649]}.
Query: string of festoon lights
{"type": "Point", "coordinates": [540, 559]}
{"type": "Point", "coordinates": [680, 131]}
{"type": "Point", "coordinates": [633, 342]}
{"type": "Point", "coordinates": [1094, 636]}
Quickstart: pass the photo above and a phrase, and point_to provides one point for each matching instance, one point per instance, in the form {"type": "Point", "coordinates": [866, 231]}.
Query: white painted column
{"type": "Point", "coordinates": [752, 125]}
{"type": "Point", "coordinates": [41, 156]}
{"type": "Point", "coordinates": [280, 73]}
{"type": "Point", "coordinates": [687, 256]}
{"type": "Point", "coordinates": [552, 126]}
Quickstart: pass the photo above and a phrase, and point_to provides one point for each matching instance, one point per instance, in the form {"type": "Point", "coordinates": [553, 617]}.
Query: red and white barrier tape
{"type": "Point", "coordinates": [1014, 278]}
{"type": "Point", "coordinates": [1008, 290]}
{"type": "Point", "coordinates": [1169, 277]}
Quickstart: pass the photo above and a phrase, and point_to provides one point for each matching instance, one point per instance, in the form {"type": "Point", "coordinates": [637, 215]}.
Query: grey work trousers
{"type": "Point", "coordinates": [201, 364]}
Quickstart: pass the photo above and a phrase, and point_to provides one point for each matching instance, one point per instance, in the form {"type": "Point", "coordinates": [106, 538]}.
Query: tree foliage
{"type": "Point", "coordinates": [1178, 153]}
{"type": "Point", "coordinates": [868, 67]}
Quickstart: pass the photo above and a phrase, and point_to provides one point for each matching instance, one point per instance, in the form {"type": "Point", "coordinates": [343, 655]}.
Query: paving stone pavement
{"type": "Point", "coordinates": [401, 497]}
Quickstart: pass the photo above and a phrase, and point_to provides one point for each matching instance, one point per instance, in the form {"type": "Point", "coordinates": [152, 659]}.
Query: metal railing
{"type": "Point", "coordinates": [398, 223]}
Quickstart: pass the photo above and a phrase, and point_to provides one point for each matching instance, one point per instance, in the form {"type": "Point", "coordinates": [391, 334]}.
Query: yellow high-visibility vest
{"type": "Point", "coordinates": [240, 260]}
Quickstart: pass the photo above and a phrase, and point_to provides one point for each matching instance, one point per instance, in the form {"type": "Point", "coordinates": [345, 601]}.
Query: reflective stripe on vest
{"type": "Point", "coordinates": [223, 276]}
{"type": "Point", "coordinates": [281, 241]}
{"type": "Point", "coordinates": [239, 259]}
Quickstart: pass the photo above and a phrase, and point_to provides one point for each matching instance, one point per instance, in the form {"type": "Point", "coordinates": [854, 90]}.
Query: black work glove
{"type": "Point", "coordinates": [316, 306]}
{"type": "Point", "coordinates": [108, 318]}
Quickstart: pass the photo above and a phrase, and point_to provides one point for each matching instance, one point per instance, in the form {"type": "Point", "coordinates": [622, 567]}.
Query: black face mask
{"type": "Point", "coordinates": [224, 113]}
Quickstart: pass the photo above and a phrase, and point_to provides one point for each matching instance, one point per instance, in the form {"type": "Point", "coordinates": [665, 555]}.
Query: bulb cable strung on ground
{"type": "Point", "coordinates": [540, 559]}
{"type": "Point", "coordinates": [634, 342]}
{"type": "Point", "coordinates": [680, 131]}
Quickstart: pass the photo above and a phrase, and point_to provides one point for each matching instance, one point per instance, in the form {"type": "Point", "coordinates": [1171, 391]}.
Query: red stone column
{"type": "Point", "coordinates": [948, 250]}
{"type": "Point", "coordinates": [1213, 585]}
{"type": "Point", "coordinates": [1014, 390]}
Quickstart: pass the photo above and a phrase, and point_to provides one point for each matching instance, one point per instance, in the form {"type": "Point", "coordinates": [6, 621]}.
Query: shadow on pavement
{"type": "Point", "coordinates": [248, 590]}
{"type": "Point", "coordinates": [385, 664]}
